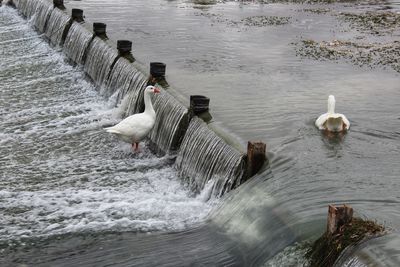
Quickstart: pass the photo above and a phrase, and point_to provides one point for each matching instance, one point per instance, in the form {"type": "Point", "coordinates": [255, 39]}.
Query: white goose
{"type": "Point", "coordinates": [135, 127]}
{"type": "Point", "coordinates": [331, 121]}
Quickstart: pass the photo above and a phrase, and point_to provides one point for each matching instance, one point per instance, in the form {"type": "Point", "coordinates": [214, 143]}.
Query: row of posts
{"type": "Point", "coordinates": [199, 105]}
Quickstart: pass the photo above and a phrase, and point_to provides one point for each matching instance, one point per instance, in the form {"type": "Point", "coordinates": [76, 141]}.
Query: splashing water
{"type": "Point", "coordinates": [60, 173]}
{"type": "Point", "coordinates": [76, 42]}
{"type": "Point", "coordinates": [99, 61]}
{"type": "Point", "coordinates": [56, 25]}
{"type": "Point", "coordinates": [204, 156]}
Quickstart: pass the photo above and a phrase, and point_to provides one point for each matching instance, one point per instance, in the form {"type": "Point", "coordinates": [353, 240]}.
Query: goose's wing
{"type": "Point", "coordinates": [136, 126]}
{"type": "Point", "coordinates": [321, 121]}
{"type": "Point", "coordinates": [345, 120]}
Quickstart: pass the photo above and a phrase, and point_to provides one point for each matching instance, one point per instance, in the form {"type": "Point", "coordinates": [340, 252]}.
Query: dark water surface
{"type": "Point", "coordinates": [259, 90]}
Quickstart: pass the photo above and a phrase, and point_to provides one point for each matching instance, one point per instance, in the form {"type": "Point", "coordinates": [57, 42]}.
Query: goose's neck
{"type": "Point", "coordinates": [331, 104]}
{"type": "Point", "coordinates": [148, 106]}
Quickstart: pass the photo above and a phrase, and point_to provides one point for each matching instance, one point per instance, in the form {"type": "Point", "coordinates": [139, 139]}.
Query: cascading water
{"type": "Point", "coordinates": [204, 157]}
{"type": "Point", "coordinates": [20, 4]}
{"type": "Point", "coordinates": [133, 102]}
{"type": "Point", "coordinates": [124, 79]}
{"type": "Point", "coordinates": [171, 121]}
{"type": "Point", "coordinates": [43, 12]}
{"type": "Point", "coordinates": [99, 61]}
{"type": "Point", "coordinates": [56, 25]}
{"type": "Point", "coordinates": [76, 42]}
{"type": "Point", "coordinates": [61, 174]}
{"type": "Point", "coordinates": [28, 8]}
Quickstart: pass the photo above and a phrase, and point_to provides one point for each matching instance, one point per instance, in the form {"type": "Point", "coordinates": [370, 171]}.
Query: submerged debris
{"type": "Point", "coordinates": [317, 10]}
{"type": "Point", "coordinates": [261, 21]}
{"type": "Point", "coordinates": [373, 22]}
{"type": "Point", "coordinates": [370, 54]}
{"type": "Point", "coordinates": [252, 21]}
{"type": "Point", "coordinates": [204, 2]}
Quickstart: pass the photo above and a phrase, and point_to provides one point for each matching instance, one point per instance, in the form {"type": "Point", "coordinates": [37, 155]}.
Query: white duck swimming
{"type": "Point", "coordinates": [331, 121]}
{"type": "Point", "coordinates": [135, 127]}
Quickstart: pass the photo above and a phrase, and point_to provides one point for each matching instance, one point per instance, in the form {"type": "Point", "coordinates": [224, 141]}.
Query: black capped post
{"type": "Point", "coordinates": [200, 106]}
{"type": "Point", "coordinates": [99, 30]}
{"type": "Point", "coordinates": [256, 157]}
{"type": "Point", "coordinates": [59, 4]}
{"type": "Point", "coordinates": [157, 69]}
{"type": "Point", "coordinates": [157, 74]}
{"type": "Point", "coordinates": [77, 15]}
{"type": "Point", "coordinates": [125, 49]}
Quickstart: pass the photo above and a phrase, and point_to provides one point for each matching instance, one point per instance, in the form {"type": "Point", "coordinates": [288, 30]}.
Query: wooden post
{"type": "Point", "coordinates": [337, 217]}
{"type": "Point", "coordinates": [256, 157]}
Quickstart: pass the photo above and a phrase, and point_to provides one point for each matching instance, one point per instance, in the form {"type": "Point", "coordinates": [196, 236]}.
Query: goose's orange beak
{"type": "Point", "coordinates": [156, 90]}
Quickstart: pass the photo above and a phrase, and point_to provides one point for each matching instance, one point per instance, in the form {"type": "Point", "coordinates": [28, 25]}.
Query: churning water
{"type": "Point", "coordinates": [60, 173]}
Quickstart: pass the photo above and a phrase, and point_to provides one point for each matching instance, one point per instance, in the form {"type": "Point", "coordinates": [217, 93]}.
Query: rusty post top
{"type": "Point", "coordinates": [256, 157]}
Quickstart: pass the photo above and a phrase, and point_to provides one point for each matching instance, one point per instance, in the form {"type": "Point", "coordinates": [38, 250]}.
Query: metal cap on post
{"type": "Point", "coordinates": [199, 104]}
{"type": "Point", "coordinates": [59, 4]}
{"type": "Point", "coordinates": [125, 49]}
{"type": "Point", "coordinates": [124, 46]}
{"type": "Point", "coordinates": [77, 15]}
{"type": "Point", "coordinates": [157, 69]}
{"type": "Point", "coordinates": [99, 29]}
{"type": "Point", "coordinates": [256, 157]}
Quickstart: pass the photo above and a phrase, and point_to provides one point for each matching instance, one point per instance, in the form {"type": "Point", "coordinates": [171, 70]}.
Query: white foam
{"type": "Point", "coordinates": [60, 172]}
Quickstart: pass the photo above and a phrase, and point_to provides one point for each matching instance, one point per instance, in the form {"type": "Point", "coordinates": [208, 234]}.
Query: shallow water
{"type": "Point", "coordinates": [60, 172]}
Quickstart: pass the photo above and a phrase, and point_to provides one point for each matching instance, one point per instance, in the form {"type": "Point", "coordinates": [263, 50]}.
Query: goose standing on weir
{"type": "Point", "coordinates": [331, 121]}
{"type": "Point", "coordinates": [135, 128]}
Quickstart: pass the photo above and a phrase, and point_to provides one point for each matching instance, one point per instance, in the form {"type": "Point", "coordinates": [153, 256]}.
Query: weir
{"type": "Point", "coordinates": [124, 79]}
{"type": "Point", "coordinates": [27, 8]}
{"type": "Point", "coordinates": [56, 25]}
{"type": "Point", "coordinates": [171, 123]}
{"type": "Point", "coordinates": [44, 9]}
{"type": "Point", "coordinates": [99, 61]}
{"type": "Point", "coordinates": [76, 42]}
{"type": "Point", "coordinates": [204, 155]}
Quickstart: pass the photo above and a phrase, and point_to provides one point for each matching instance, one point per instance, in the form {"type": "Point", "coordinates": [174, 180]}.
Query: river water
{"type": "Point", "coordinates": [65, 182]}
{"type": "Point", "coordinates": [60, 171]}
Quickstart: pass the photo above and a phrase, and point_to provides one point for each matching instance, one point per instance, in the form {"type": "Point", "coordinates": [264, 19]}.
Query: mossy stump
{"type": "Point", "coordinates": [327, 248]}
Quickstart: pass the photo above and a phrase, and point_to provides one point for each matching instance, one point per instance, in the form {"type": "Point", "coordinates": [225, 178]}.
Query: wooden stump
{"type": "Point", "coordinates": [256, 157]}
{"type": "Point", "coordinates": [337, 217]}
